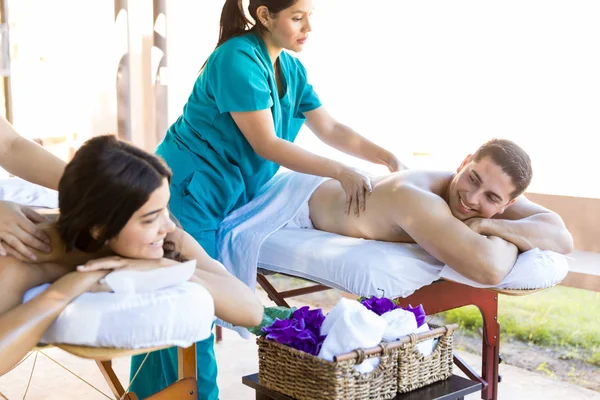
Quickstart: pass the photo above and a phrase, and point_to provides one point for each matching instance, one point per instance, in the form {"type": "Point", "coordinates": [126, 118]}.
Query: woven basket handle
{"type": "Point", "coordinates": [362, 356]}
{"type": "Point", "coordinates": [385, 347]}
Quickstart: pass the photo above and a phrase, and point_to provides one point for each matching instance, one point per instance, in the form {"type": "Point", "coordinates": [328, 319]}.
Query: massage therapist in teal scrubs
{"type": "Point", "coordinates": [238, 126]}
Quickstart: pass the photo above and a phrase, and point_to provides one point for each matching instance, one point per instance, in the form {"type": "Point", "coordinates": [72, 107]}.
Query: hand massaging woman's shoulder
{"type": "Point", "coordinates": [27, 160]}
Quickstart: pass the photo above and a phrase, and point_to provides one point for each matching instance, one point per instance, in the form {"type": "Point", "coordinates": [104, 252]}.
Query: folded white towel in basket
{"type": "Point", "coordinates": [399, 323]}
{"type": "Point", "coordinates": [350, 326]}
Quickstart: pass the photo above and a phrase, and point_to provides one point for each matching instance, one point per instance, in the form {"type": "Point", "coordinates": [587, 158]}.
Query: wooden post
{"type": "Point", "coordinates": [5, 49]}
{"type": "Point", "coordinates": [187, 361]}
{"type": "Point", "coordinates": [161, 98]}
{"type": "Point", "coordinates": [123, 76]}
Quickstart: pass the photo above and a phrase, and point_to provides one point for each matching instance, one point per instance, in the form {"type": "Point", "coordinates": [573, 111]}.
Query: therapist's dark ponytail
{"type": "Point", "coordinates": [234, 22]}
{"type": "Point", "coordinates": [233, 19]}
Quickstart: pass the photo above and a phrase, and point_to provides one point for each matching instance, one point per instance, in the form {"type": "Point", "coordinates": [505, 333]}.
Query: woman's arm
{"type": "Point", "coordinates": [22, 325]}
{"type": "Point", "coordinates": [347, 140]}
{"type": "Point", "coordinates": [258, 128]}
{"type": "Point", "coordinates": [28, 160]}
{"type": "Point", "coordinates": [234, 301]}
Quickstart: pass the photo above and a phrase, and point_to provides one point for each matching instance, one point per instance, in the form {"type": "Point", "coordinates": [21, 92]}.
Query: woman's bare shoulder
{"type": "Point", "coordinates": [58, 245]}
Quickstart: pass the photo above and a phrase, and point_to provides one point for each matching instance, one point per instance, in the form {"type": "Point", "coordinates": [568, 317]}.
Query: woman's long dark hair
{"type": "Point", "coordinates": [234, 22]}
{"type": "Point", "coordinates": [104, 184]}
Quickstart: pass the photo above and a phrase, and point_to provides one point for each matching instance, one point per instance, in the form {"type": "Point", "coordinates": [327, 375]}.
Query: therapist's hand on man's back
{"type": "Point", "coordinates": [393, 163]}
{"type": "Point", "coordinates": [18, 232]}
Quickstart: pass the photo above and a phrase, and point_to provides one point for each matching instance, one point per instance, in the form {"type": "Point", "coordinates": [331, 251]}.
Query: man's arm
{"type": "Point", "coordinates": [428, 220]}
{"type": "Point", "coordinates": [528, 225]}
{"type": "Point", "coordinates": [28, 160]}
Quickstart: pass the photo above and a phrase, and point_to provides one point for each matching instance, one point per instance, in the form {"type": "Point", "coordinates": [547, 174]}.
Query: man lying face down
{"type": "Point", "coordinates": [475, 220]}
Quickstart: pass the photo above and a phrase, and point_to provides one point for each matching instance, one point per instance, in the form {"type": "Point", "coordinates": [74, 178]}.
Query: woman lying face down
{"type": "Point", "coordinates": [113, 201]}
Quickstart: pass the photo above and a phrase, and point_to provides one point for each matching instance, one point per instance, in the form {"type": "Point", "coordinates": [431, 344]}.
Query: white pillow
{"type": "Point", "coordinates": [177, 315]}
{"type": "Point", "coordinates": [534, 269]}
{"type": "Point", "coordinates": [131, 281]}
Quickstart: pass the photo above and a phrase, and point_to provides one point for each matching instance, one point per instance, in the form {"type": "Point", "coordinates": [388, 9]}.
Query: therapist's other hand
{"type": "Point", "coordinates": [122, 263]}
{"type": "Point", "coordinates": [392, 162]}
{"type": "Point", "coordinates": [18, 232]}
{"type": "Point", "coordinates": [356, 185]}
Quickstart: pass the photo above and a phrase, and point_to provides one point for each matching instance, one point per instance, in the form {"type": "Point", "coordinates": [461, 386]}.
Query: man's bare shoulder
{"type": "Point", "coordinates": [414, 195]}
{"type": "Point", "coordinates": [429, 180]}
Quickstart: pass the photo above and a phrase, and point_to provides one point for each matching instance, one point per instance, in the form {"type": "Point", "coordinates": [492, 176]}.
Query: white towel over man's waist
{"type": "Point", "coordinates": [242, 233]}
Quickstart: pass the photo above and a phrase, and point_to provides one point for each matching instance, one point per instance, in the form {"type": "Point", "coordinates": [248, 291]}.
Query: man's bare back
{"type": "Point", "coordinates": [378, 221]}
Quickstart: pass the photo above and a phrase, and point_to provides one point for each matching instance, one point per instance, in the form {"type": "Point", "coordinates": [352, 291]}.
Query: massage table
{"type": "Point", "coordinates": [260, 239]}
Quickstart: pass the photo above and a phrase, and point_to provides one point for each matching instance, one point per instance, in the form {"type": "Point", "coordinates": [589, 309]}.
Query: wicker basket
{"type": "Point", "coordinates": [416, 370]}
{"type": "Point", "coordinates": [305, 377]}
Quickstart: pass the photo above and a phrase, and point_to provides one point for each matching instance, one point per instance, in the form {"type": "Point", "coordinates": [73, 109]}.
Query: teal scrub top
{"type": "Point", "coordinates": [238, 76]}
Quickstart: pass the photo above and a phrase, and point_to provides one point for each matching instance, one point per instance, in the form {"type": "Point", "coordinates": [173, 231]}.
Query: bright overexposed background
{"type": "Point", "coordinates": [429, 80]}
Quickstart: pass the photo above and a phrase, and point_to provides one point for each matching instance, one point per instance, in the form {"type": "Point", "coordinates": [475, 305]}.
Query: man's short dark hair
{"type": "Point", "coordinates": [513, 160]}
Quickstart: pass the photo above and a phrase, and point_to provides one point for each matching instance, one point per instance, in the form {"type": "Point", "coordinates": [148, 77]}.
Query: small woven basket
{"type": "Point", "coordinates": [306, 377]}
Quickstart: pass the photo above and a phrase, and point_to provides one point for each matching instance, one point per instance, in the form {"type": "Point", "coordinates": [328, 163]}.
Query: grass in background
{"type": "Point", "coordinates": [555, 317]}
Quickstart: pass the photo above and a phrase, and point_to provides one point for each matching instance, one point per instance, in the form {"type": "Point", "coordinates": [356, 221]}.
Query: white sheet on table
{"type": "Point", "coordinates": [369, 267]}
{"type": "Point", "coordinates": [23, 192]}
{"type": "Point", "coordinates": [362, 267]}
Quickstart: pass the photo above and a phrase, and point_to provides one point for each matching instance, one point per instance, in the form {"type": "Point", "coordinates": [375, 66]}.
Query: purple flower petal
{"type": "Point", "coordinates": [419, 314]}
{"type": "Point", "coordinates": [284, 331]}
{"type": "Point", "coordinates": [301, 331]}
{"type": "Point", "coordinates": [379, 305]}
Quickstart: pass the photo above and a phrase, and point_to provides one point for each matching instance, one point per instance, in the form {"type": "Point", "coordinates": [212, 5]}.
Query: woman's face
{"type": "Point", "coordinates": [290, 28]}
{"type": "Point", "coordinates": [143, 235]}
